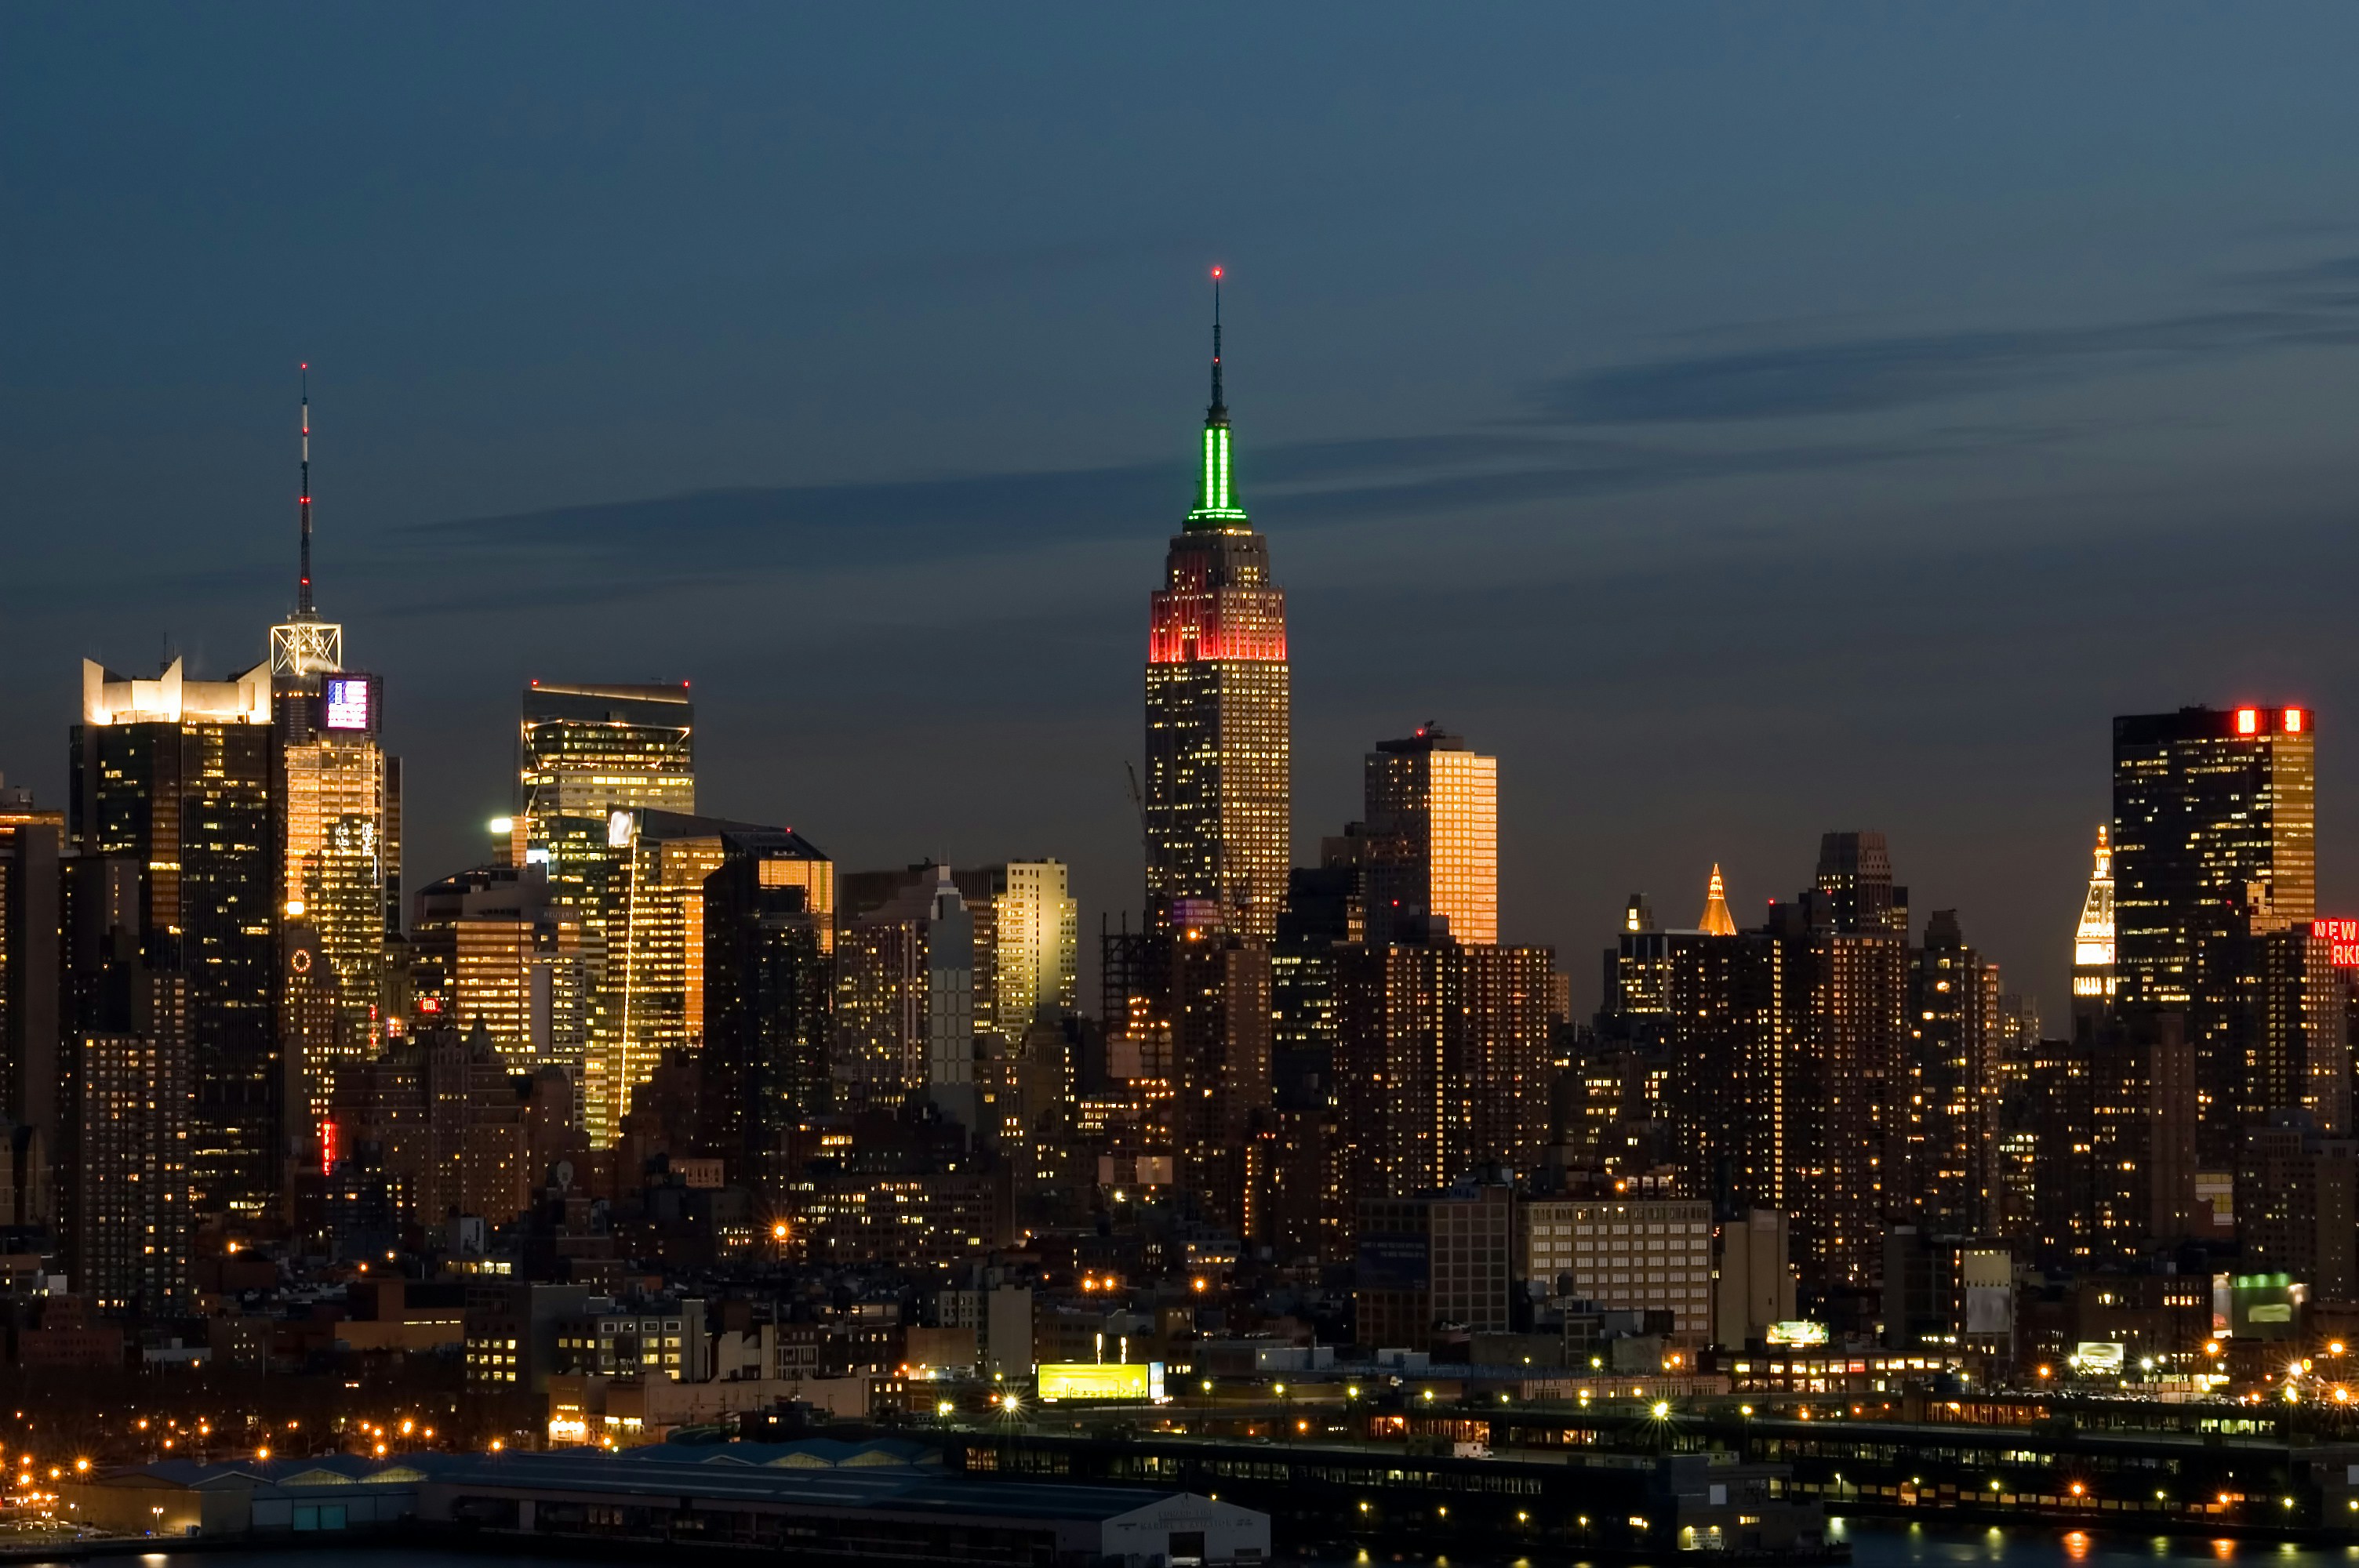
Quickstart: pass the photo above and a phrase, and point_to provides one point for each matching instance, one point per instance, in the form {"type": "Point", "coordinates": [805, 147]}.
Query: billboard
{"type": "Point", "coordinates": [2342, 940]}
{"type": "Point", "coordinates": [1127, 1381]}
{"type": "Point", "coordinates": [348, 702]}
{"type": "Point", "coordinates": [1795, 1333]}
{"type": "Point", "coordinates": [2104, 1355]}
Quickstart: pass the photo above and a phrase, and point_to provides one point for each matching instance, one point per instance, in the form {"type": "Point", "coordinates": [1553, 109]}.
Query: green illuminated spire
{"type": "Point", "coordinates": [1216, 499]}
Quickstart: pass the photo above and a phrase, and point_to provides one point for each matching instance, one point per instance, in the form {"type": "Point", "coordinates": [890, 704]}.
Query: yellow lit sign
{"type": "Point", "coordinates": [1797, 1334]}
{"type": "Point", "coordinates": [1101, 1380]}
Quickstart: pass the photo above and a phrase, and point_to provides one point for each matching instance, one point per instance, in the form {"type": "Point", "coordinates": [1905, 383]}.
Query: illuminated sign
{"type": "Point", "coordinates": [2295, 720]}
{"type": "Point", "coordinates": [346, 703]}
{"type": "Point", "coordinates": [1101, 1380]}
{"type": "Point", "coordinates": [1798, 1333]}
{"type": "Point", "coordinates": [2098, 1355]}
{"type": "Point", "coordinates": [2342, 940]}
{"type": "Point", "coordinates": [618, 830]}
{"type": "Point", "coordinates": [2248, 721]}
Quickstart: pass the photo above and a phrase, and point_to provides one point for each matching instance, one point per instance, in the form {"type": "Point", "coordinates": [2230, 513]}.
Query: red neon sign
{"type": "Point", "coordinates": [2248, 721]}
{"type": "Point", "coordinates": [2295, 720]}
{"type": "Point", "coordinates": [2342, 940]}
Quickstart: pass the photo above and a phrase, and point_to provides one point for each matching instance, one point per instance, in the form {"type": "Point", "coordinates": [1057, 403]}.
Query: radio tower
{"type": "Point", "coordinates": [305, 646]}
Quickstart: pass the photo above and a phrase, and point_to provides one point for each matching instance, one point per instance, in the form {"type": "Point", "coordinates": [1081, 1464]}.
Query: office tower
{"type": "Point", "coordinates": [338, 799]}
{"type": "Point", "coordinates": [1443, 1061]}
{"type": "Point", "coordinates": [1705, 1014]}
{"type": "Point", "coordinates": [2215, 829]}
{"type": "Point", "coordinates": [127, 1222]}
{"type": "Point", "coordinates": [1625, 1255]}
{"type": "Point", "coordinates": [1432, 811]}
{"type": "Point", "coordinates": [1845, 948]}
{"type": "Point", "coordinates": [908, 935]}
{"type": "Point", "coordinates": [589, 756]}
{"type": "Point", "coordinates": [1218, 804]}
{"type": "Point", "coordinates": [490, 946]}
{"type": "Point", "coordinates": [656, 980]}
{"type": "Point", "coordinates": [2290, 1030]}
{"type": "Point", "coordinates": [1325, 909]}
{"type": "Point", "coordinates": [30, 840]}
{"type": "Point", "coordinates": [1027, 931]}
{"type": "Point", "coordinates": [767, 992]}
{"type": "Point", "coordinates": [1220, 1073]}
{"type": "Point", "coordinates": [172, 777]}
{"type": "Point", "coordinates": [1953, 1085]}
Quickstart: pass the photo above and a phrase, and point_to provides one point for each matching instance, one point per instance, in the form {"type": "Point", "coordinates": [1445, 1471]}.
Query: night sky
{"type": "Point", "coordinates": [1745, 422]}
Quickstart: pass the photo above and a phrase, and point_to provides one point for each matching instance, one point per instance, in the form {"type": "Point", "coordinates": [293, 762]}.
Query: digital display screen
{"type": "Point", "coordinates": [346, 705]}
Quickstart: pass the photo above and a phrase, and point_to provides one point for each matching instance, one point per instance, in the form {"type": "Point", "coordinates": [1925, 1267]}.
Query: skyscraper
{"type": "Point", "coordinates": [30, 977]}
{"type": "Point", "coordinates": [2214, 840]}
{"type": "Point", "coordinates": [1028, 932]}
{"type": "Point", "coordinates": [129, 1095]}
{"type": "Point", "coordinates": [766, 981]}
{"type": "Point", "coordinates": [658, 944]}
{"type": "Point", "coordinates": [339, 817]}
{"type": "Point", "coordinates": [1218, 803]}
{"type": "Point", "coordinates": [1443, 1061]}
{"type": "Point", "coordinates": [2094, 980]}
{"type": "Point", "coordinates": [590, 756]}
{"type": "Point", "coordinates": [1950, 1108]}
{"type": "Point", "coordinates": [1845, 946]}
{"type": "Point", "coordinates": [1705, 1014]}
{"type": "Point", "coordinates": [1432, 810]}
{"type": "Point", "coordinates": [172, 784]}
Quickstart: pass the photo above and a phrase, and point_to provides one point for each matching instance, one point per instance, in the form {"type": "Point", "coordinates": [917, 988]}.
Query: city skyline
{"type": "Point", "coordinates": [1927, 430]}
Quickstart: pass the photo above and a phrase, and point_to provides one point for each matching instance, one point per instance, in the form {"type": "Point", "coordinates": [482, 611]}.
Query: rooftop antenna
{"type": "Point", "coordinates": [1220, 405]}
{"type": "Point", "coordinates": [303, 592]}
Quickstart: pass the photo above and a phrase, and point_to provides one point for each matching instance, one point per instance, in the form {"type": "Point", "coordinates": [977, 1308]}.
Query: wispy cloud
{"type": "Point", "coordinates": [2315, 305]}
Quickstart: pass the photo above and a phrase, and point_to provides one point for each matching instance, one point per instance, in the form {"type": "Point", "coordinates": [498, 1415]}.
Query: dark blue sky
{"type": "Point", "coordinates": [1745, 422]}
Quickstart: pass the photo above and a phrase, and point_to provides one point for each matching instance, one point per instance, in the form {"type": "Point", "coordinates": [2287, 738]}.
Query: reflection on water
{"type": "Point", "coordinates": [1874, 1543]}
{"type": "Point", "coordinates": [1888, 1543]}
{"type": "Point", "coordinates": [1878, 1544]}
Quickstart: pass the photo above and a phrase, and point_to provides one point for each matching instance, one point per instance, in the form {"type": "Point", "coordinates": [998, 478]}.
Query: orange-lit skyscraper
{"type": "Point", "coordinates": [2214, 845]}
{"type": "Point", "coordinates": [1218, 801]}
{"type": "Point", "coordinates": [1433, 819]}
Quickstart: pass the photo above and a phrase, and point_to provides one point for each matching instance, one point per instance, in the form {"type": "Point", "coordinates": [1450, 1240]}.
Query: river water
{"type": "Point", "coordinates": [1874, 1543]}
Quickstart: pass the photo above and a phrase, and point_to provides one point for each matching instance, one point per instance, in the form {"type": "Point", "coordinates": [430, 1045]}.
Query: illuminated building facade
{"type": "Point", "coordinates": [489, 946]}
{"type": "Point", "coordinates": [1432, 808]}
{"type": "Point", "coordinates": [1706, 1015]}
{"type": "Point", "coordinates": [1027, 933]}
{"type": "Point", "coordinates": [452, 1125]}
{"type": "Point", "coordinates": [589, 757]}
{"type": "Point", "coordinates": [2214, 839]}
{"type": "Point", "coordinates": [767, 992]}
{"type": "Point", "coordinates": [339, 829]}
{"type": "Point", "coordinates": [1952, 1084]}
{"type": "Point", "coordinates": [1650, 1254]}
{"type": "Point", "coordinates": [657, 943]}
{"type": "Point", "coordinates": [2094, 980]}
{"type": "Point", "coordinates": [1845, 949]}
{"type": "Point", "coordinates": [1218, 801]}
{"type": "Point", "coordinates": [1443, 1061]}
{"type": "Point", "coordinates": [128, 1222]}
{"type": "Point", "coordinates": [173, 778]}
{"type": "Point", "coordinates": [1220, 1073]}
{"type": "Point", "coordinates": [30, 840]}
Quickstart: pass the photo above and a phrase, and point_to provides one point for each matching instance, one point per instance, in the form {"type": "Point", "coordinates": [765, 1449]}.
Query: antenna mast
{"type": "Point", "coordinates": [303, 591]}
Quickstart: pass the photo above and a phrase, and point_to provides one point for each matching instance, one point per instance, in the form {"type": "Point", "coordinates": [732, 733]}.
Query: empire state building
{"type": "Point", "coordinates": [1219, 710]}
